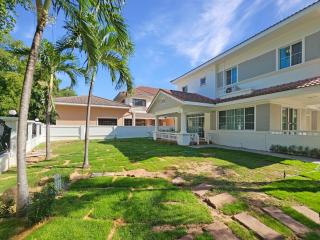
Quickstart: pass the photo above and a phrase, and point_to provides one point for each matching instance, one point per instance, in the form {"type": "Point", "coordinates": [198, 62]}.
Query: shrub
{"type": "Point", "coordinates": [41, 204]}
{"type": "Point", "coordinates": [6, 207]}
{"type": "Point", "coordinates": [296, 150]}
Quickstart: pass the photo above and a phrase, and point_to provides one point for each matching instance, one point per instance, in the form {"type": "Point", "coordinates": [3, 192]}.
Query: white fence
{"type": "Point", "coordinates": [264, 140]}
{"type": "Point", "coordinates": [99, 132]}
{"type": "Point", "coordinates": [35, 136]}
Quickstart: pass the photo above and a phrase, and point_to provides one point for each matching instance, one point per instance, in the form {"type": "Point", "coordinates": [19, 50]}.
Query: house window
{"type": "Point", "coordinates": [202, 81]}
{"type": "Point", "coordinates": [107, 122]}
{"type": "Point", "coordinates": [139, 102]}
{"type": "Point", "coordinates": [185, 89]}
{"type": "Point", "coordinates": [289, 119]}
{"type": "Point", "coordinates": [128, 122]}
{"type": "Point", "coordinates": [237, 119]}
{"type": "Point", "coordinates": [231, 76]}
{"type": "Point", "coordinates": [290, 55]}
{"type": "Point", "coordinates": [140, 122]}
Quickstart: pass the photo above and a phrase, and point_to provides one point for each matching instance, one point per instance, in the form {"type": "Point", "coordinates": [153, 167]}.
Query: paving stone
{"type": "Point", "coordinates": [219, 231]}
{"type": "Point", "coordinates": [203, 186]}
{"type": "Point", "coordinates": [295, 226]}
{"type": "Point", "coordinates": [309, 213]}
{"type": "Point", "coordinates": [187, 237]}
{"type": "Point", "coordinates": [178, 181]}
{"type": "Point", "coordinates": [96, 174]}
{"type": "Point", "coordinates": [258, 227]}
{"type": "Point", "coordinates": [219, 200]}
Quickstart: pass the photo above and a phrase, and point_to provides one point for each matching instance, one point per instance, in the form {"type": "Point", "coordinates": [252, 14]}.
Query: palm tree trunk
{"type": "Point", "coordinates": [22, 181]}
{"type": "Point", "coordinates": [48, 118]}
{"type": "Point", "coordinates": [86, 141]}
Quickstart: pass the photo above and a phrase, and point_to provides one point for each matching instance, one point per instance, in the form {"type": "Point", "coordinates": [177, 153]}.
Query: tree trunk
{"type": "Point", "coordinates": [86, 141]}
{"type": "Point", "coordinates": [22, 181]}
{"type": "Point", "coordinates": [48, 118]}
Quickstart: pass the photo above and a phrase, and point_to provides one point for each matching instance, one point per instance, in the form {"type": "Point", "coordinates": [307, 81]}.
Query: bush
{"type": "Point", "coordinates": [41, 204]}
{"type": "Point", "coordinates": [296, 150]}
{"type": "Point", "coordinates": [6, 207]}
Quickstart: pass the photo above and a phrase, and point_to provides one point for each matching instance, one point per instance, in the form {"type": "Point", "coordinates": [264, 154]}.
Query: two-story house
{"type": "Point", "coordinates": [263, 91]}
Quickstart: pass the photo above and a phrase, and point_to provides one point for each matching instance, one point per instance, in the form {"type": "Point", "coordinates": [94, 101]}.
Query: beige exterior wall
{"type": "Point", "coordinates": [76, 115]}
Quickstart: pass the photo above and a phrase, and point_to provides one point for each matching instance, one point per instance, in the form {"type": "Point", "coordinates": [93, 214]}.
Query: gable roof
{"type": "Point", "coordinates": [253, 38]}
{"type": "Point", "coordinates": [95, 101]}
{"type": "Point", "coordinates": [189, 97]}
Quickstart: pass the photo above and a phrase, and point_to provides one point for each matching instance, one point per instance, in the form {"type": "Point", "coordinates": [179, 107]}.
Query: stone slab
{"type": "Point", "coordinates": [187, 237]}
{"type": "Point", "coordinates": [309, 213]}
{"type": "Point", "coordinates": [219, 200]}
{"type": "Point", "coordinates": [200, 193]}
{"type": "Point", "coordinates": [178, 181]}
{"type": "Point", "coordinates": [257, 227]}
{"type": "Point", "coordinates": [295, 226]}
{"type": "Point", "coordinates": [219, 231]}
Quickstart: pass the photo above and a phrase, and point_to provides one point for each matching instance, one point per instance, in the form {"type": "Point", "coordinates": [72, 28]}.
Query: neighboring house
{"type": "Point", "coordinates": [263, 91]}
{"type": "Point", "coordinates": [125, 110]}
{"type": "Point", "coordinates": [72, 111]}
{"type": "Point", "coordinates": [139, 100]}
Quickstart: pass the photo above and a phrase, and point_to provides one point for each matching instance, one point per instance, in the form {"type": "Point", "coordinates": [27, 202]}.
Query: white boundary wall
{"type": "Point", "coordinates": [263, 140]}
{"type": "Point", "coordinates": [76, 132]}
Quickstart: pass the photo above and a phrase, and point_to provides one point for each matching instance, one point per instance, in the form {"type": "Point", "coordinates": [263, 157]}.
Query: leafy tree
{"type": "Point", "coordinates": [106, 13]}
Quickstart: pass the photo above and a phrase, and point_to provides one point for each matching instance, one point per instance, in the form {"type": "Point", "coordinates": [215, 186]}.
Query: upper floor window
{"type": "Point", "coordinates": [203, 81]}
{"type": "Point", "coordinates": [290, 55]}
{"type": "Point", "coordinates": [139, 102]}
{"type": "Point", "coordinates": [185, 89]}
{"type": "Point", "coordinates": [231, 76]}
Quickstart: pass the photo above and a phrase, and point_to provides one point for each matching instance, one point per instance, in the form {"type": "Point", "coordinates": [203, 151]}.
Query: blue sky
{"type": "Point", "coordinates": [173, 36]}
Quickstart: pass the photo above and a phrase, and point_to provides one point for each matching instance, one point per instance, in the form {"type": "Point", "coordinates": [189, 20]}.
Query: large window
{"type": "Point", "coordinates": [139, 102]}
{"type": "Point", "coordinates": [290, 55]}
{"type": "Point", "coordinates": [128, 122]}
{"type": "Point", "coordinates": [237, 119]}
{"type": "Point", "coordinates": [231, 76]}
{"type": "Point", "coordinates": [107, 121]}
{"type": "Point", "coordinates": [289, 119]}
{"type": "Point", "coordinates": [140, 122]}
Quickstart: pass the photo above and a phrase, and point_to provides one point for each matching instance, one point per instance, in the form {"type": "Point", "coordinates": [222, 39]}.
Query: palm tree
{"type": "Point", "coordinates": [106, 48]}
{"type": "Point", "coordinates": [106, 13]}
{"type": "Point", "coordinates": [52, 62]}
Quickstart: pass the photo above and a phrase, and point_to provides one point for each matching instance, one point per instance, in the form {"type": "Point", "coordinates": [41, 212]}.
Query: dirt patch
{"type": "Point", "coordinates": [163, 228]}
{"type": "Point", "coordinates": [87, 216]}
{"type": "Point", "coordinates": [259, 199]}
{"type": "Point", "coordinates": [139, 173]}
{"type": "Point", "coordinates": [43, 181]}
{"type": "Point", "coordinates": [130, 195]}
{"type": "Point", "coordinates": [7, 178]}
{"type": "Point", "coordinates": [117, 223]}
{"type": "Point", "coordinates": [66, 162]}
{"type": "Point", "coordinates": [77, 175]}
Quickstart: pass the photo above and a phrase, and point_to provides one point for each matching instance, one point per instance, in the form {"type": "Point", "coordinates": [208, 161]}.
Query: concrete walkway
{"type": "Point", "coordinates": [280, 155]}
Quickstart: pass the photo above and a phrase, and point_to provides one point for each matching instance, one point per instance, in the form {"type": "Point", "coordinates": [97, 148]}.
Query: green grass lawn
{"type": "Point", "coordinates": [156, 201]}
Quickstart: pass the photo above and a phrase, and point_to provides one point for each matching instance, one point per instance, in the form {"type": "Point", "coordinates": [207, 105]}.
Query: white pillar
{"type": "Point", "coordinates": [133, 119]}
{"type": "Point", "coordinates": [156, 123]}
{"type": "Point", "coordinates": [183, 125]}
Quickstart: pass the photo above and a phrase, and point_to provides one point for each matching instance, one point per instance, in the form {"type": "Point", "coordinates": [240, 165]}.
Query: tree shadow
{"type": "Point", "coordinates": [139, 150]}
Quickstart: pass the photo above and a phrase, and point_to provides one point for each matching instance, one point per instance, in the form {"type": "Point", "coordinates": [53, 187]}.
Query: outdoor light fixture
{"type": "Point", "coordinates": [37, 120]}
{"type": "Point", "coordinates": [12, 112]}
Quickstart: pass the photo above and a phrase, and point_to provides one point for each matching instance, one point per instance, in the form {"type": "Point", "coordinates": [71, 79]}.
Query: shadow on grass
{"type": "Point", "coordinates": [137, 150]}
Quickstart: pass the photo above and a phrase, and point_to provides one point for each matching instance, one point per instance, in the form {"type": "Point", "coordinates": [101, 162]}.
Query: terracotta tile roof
{"type": "Point", "coordinates": [149, 90]}
{"type": "Point", "coordinates": [189, 97]}
{"type": "Point", "coordinates": [193, 97]}
{"type": "Point", "coordinates": [94, 101]}
{"type": "Point", "coordinates": [315, 81]}
{"type": "Point", "coordinates": [141, 91]}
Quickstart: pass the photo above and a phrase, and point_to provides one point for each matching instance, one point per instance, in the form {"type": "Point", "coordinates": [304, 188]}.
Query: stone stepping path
{"type": "Point", "coordinates": [309, 213]}
{"type": "Point", "coordinates": [295, 226]}
{"type": "Point", "coordinates": [202, 189]}
{"type": "Point", "coordinates": [219, 231]}
{"type": "Point", "coordinates": [219, 200]}
{"type": "Point", "coordinates": [257, 227]}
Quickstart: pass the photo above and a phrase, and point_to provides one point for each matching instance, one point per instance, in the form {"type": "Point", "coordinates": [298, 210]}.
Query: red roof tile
{"type": "Point", "coordinates": [189, 97]}
{"type": "Point", "coordinates": [94, 101]}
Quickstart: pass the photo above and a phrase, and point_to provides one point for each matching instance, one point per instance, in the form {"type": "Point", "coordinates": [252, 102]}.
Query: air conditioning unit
{"type": "Point", "coordinates": [232, 89]}
{"type": "Point", "coordinates": [228, 89]}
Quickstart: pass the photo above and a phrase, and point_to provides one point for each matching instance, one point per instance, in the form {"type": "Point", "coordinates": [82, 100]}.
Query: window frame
{"type": "Point", "coordinates": [288, 121]}
{"type": "Point", "coordinates": [203, 83]}
{"type": "Point", "coordinates": [225, 76]}
{"type": "Point", "coordinates": [124, 122]}
{"type": "Point", "coordinates": [139, 99]}
{"type": "Point", "coordinates": [244, 122]}
{"type": "Point", "coordinates": [290, 57]}
{"type": "Point", "coordinates": [113, 118]}
{"type": "Point", "coordinates": [185, 87]}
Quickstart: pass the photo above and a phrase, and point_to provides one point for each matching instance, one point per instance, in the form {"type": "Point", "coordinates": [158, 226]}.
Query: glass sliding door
{"type": "Point", "coordinates": [195, 124]}
{"type": "Point", "coordinates": [289, 119]}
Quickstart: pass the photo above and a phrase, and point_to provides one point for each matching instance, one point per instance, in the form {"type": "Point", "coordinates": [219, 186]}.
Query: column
{"type": "Point", "coordinates": [156, 123]}
{"type": "Point", "coordinates": [133, 119]}
{"type": "Point", "coordinates": [183, 125]}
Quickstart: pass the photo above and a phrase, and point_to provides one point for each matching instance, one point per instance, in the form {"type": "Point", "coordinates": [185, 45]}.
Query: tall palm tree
{"type": "Point", "coordinates": [105, 49]}
{"type": "Point", "coordinates": [106, 13]}
{"type": "Point", "coordinates": [52, 62]}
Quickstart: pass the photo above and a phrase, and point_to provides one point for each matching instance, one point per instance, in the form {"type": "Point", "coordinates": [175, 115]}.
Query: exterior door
{"type": "Point", "coordinates": [195, 124]}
